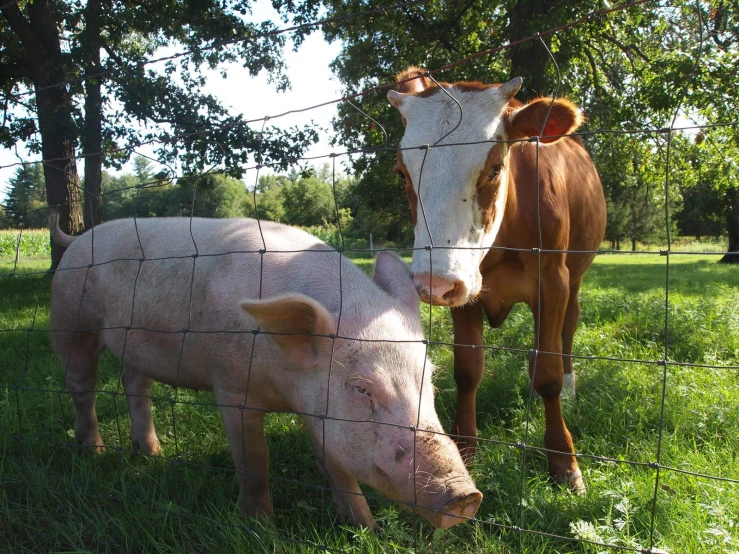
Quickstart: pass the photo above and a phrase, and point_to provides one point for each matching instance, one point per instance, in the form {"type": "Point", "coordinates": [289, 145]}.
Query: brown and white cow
{"type": "Point", "coordinates": [473, 199]}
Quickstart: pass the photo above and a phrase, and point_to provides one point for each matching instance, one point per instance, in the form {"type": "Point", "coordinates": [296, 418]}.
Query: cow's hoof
{"type": "Point", "coordinates": [573, 480]}
{"type": "Point", "coordinates": [576, 483]}
{"type": "Point", "coordinates": [568, 387]}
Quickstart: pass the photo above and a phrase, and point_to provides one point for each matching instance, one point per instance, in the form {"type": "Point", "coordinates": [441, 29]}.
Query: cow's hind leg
{"type": "Point", "coordinates": [547, 373]}
{"type": "Point", "coordinates": [138, 394]}
{"type": "Point", "coordinates": [572, 315]}
{"type": "Point", "coordinates": [80, 352]}
{"type": "Point", "coordinates": [469, 367]}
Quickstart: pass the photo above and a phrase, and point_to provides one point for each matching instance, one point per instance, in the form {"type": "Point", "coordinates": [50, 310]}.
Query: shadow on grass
{"type": "Point", "coordinates": [20, 294]}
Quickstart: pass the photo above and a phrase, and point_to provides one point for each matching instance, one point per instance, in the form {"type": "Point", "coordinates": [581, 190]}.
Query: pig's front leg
{"type": "Point", "coordinates": [348, 498]}
{"type": "Point", "coordinates": [245, 432]}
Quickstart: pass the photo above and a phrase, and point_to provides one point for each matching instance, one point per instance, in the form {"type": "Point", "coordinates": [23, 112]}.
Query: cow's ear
{"type": "Point", "coordinates": [535, 119]}
{"type": "Point", "coordinates": [297, 324]}
{"type": "Point", "coordinates": [404, 103]}
{"type": "Point", "coordinates": [509, 89]}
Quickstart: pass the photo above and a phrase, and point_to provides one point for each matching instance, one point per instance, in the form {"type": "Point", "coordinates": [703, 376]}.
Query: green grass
{"type": "Point", "coordinates": [28, 242]}
{"type": "Point", "coordinates": [54, 497]}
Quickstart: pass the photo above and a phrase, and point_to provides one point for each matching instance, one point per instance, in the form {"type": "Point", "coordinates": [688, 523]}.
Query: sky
{"type": "Point", "coordinates": [311, 83]}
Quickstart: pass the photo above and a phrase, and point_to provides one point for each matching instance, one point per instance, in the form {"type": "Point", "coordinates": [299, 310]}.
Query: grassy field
{"type": "Point", "coordinates": [56, 498]}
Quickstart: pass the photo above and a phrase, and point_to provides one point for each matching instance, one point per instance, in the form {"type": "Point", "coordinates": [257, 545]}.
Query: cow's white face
{"type": "Point", "coordinates": [456, 178]}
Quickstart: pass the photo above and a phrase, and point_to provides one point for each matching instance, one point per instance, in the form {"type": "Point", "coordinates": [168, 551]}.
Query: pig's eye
{"type": "Point", "coordinates": [361, 389]}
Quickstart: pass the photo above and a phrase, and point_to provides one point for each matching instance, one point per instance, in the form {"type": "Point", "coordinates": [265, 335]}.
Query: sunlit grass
{"type": "Point", "coordinates": [54, 497]}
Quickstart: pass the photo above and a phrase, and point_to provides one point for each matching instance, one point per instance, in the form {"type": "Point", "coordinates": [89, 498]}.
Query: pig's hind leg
{"type": "Point", "coordinates": [138, 393]}
{"type": "Point", "coordinates": [80, 352]}
{"type": "Point", "coordinates": [245, 432]}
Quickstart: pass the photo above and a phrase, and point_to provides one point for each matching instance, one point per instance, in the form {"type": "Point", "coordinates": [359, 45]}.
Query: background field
{"type": "Point", "coordinates": [54, 497]}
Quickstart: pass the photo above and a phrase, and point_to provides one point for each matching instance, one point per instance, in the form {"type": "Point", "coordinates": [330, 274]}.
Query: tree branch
{"type": "Point", "coordinates": [121, 82]}
{"type": "Point", "coordinates": [593, 66]}
{"type": "Point", "coordinates": [21, 27]}
{"type": "Point", "coordinates": [626, 48]}
{"type": "Point", "coordinates": [23, 30]}
{"type": "Point", "coordinates": [13, 71]}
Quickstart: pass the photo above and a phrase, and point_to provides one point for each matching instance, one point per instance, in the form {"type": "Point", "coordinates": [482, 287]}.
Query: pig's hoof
{"type": "Point", "coordinates": [148, 447]}
{"type": "Point", "coordinates": [370, 524]}
{"type": "Point", "coordinates": [93, 448]}
{"type": "Point", "coordinates": [355, 520]}
{"type": "Point", "coordinates": [93, 445]}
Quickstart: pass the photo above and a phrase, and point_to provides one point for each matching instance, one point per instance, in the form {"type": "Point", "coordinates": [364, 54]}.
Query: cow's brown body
{"type": "Point", "coordinates": [572, 215]}
{"type": "Point", "coordinates": [539, 203]}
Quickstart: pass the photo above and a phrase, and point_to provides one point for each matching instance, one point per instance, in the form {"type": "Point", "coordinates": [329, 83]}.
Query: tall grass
{"type": "Point", "coordinates": [26, 242]}
{"type": "Point", "coordinates": [55, 497]}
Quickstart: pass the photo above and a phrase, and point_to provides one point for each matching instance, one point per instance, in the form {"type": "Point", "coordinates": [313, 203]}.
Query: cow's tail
{"type": "Point", "coordinates": [59, 236]}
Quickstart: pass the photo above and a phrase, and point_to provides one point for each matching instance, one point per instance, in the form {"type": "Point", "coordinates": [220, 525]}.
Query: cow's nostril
{"type": "Point", "coordinates": [439, 290]}
{"type": "Point", "coordinates": [451, 293]}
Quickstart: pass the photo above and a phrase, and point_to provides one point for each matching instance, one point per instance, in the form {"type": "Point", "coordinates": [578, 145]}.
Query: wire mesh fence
{"type": "Point", "coordinates": [42, 450]}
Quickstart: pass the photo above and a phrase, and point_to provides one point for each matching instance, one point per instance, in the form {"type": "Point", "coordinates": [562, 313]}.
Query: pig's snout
{"type": "Point", "coordinates": [459, 509]}
{"type": "Point", "coordinates": [459, 504]}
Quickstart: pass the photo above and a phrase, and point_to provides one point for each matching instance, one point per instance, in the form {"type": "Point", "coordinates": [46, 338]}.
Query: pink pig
{"type": "Point", "coordinates": [193, 303]}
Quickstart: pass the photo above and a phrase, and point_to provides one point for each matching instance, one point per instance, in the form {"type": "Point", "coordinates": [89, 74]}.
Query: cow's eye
{"type": "Point", "coordinates": [401, 176]}
{"type": "Point", "coordinates": [494, 172]}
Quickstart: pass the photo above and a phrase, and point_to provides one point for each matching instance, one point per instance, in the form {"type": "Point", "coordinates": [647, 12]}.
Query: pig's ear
{"type": "Point", "coordinates": [394, 277]}
{"type": "Point", "coordinates": [293, 322]}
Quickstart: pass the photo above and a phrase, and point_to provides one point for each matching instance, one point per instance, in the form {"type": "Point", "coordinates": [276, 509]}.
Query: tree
{"type": "Point", "coordinates": [716, 96]}
{"type": "Point", "coordinates": [67, 67]}
{"type": "Point", "coordinates": [711, 199]}
{"type": "Point", "coordinates": [217, 196]}
{"type": "Point", "coordinates": [628, 70]}
{"type": "Point", "coordinates": [431, 34]}
{"type": "Point", "coordinates": [269, 199]}
{"type": "Point", "coordinates": [26, 198]}
{"type": "Point", "coordinates": [308, 201]}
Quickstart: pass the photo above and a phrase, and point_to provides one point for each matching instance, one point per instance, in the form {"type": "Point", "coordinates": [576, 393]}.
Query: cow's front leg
{"type": "Point", "coordinates": [469, 366]}
{"type": "Point", "coordinates": [547, 373]}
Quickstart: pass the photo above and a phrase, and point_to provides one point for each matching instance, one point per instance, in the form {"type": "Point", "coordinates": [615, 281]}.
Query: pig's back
{"type": "Point", "coordinates": [170, 274]}
{"type": "Point", "coordinates": [180, 237]}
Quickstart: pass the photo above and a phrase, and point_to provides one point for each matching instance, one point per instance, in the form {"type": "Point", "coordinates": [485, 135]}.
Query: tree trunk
{"type": "Point", "coordinates": [56, 125]}
{"type": "Point", "coordinates": [530, 59]}
{"type": "Point", "coordinates": [732, 226]}
{"type": "Point", "coordinates": [92, 142]}
{"type": "Point", "coordinates": [60, 171]}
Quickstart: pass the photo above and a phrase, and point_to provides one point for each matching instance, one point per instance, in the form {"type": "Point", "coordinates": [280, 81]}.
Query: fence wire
{"type": "Point", "coordinates": [70, 482]}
